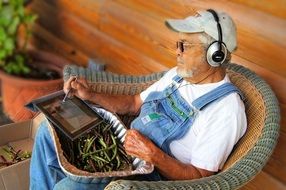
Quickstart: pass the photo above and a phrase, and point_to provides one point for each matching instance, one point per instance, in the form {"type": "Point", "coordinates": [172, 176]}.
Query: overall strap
{"type": "Point", "coordinates": [219, 92]}
{"type": "Point", "coordinates": [172, 87]}
{"type": "Point", "coordinates": [177, 79]}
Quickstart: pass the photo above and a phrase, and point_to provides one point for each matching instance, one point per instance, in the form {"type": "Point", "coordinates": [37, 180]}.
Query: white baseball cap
{"type": "Point", "coordinates": [204, 21]}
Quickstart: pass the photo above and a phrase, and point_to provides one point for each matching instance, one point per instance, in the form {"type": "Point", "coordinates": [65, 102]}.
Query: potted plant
{"type": "Point", "coordinates": [25, 74]}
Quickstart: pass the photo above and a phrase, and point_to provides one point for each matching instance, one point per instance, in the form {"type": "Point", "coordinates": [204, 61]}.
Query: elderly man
{"type": "Point", "coordinates": [188, 121]}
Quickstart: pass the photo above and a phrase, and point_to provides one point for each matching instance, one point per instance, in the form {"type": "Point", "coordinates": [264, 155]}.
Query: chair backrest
{"type": "Point", "coordinates": [255, 112]}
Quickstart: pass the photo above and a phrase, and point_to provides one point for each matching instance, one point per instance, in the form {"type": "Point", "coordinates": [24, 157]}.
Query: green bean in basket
{"type": "Point", "coordinates": [101, 151]}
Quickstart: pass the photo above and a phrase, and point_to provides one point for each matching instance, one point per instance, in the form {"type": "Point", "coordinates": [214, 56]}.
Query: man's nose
{"type": "Point", "coordinates": [178, 51]}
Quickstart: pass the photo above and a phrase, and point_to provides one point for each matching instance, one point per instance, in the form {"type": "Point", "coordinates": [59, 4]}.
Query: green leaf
{"type": "Point", "coordinates": [16, 69]}
{"type": "Point", "coordinates": [17, 66]}
{"type": "Point", "coordinates": [3, 34]}
{"type": "Point", "coordinates": [2, 54]}
{"type": "Point", "coordinates": [4, 21]}
{"type": "Point", "coordinates": [16, 3]}
{"type": "Point", "coordinates": [20, 11]}
{"type": "Point", "coordinates": [8, 68]}
{"type": "Point", "coordinates": [6, 15]}
{"type": "Point", "coordinates": [26, 70]}
{"type": "Point", "coordinates": [30, 18]}
{"type": "Point", "coordinates": [12, 14]}
{"type": "Point", "coordinates": [20, 59]}
{"type": "Point", "coordinates": [9, 44]}
{"type": "Point", "coordinates": [12, 29]}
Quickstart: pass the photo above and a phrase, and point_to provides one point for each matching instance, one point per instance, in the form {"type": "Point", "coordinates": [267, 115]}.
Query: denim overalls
{"type": "Point", "coordinates": [166, 116]}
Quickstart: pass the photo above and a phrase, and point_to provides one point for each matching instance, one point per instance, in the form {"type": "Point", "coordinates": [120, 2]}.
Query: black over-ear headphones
{"type": "Point", "coordinates": [217, 51]}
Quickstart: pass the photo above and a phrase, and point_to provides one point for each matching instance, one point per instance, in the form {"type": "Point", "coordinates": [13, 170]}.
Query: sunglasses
{"type": "Point", "coordinates": [182, 44]}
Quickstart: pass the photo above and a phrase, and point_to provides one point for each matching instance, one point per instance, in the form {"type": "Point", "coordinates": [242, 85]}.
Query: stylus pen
{"type": "Point", "coordinates": [67, 94]}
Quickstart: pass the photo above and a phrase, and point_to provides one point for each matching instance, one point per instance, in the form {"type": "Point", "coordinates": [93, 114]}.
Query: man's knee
{"type": "Point", "coordinates": [43, 139]}
{"type": "Point", "coordinates": [43, 131]}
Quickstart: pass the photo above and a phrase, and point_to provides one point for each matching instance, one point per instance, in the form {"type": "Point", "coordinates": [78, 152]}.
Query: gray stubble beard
{"type": "Point", "coordinates": [184, 73]}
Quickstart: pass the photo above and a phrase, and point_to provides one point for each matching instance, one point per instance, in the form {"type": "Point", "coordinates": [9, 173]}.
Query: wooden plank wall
{"type": "Point", "coordinates": [131, 38]}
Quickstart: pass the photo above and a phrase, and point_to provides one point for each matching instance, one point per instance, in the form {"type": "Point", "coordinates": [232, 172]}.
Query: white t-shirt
{"type": "Point", "coordinates": [216, 129]}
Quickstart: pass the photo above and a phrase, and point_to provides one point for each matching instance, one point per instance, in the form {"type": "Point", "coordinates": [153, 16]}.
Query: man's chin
{"type": "Point", "coordinates": [184, 74]}
{"type": "Point", "coordinates": [180, 68]}
{"type": "Point", "coordinates": [180, 64]}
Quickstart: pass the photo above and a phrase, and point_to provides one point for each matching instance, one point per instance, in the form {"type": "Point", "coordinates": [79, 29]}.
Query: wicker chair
{"type": "Point", "coordinates": [250, 153]}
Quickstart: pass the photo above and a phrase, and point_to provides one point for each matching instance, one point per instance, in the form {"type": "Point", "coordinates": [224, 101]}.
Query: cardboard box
{"type": "Point", "coordinates": [20, 136]}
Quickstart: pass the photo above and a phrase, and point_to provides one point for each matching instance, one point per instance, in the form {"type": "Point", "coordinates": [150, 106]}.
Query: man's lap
{"type": "Point", "coordinates": [44, 146]}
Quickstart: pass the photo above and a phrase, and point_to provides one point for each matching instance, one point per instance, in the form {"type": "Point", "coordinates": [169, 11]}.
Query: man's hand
{"type": "Point", "coordinates": [137, 145]}
{"type": "Point", "coordinates": [78, 87]}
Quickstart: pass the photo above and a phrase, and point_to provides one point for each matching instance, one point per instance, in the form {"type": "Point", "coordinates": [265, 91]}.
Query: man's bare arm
{"type": "Point", "coordinates": [122, 104]}
{"type": "Point", "coordinates": [176, 170]}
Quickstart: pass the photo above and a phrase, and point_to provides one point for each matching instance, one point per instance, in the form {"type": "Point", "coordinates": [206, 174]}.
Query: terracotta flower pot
{"type": "Point", "coordinates": [17, 92]}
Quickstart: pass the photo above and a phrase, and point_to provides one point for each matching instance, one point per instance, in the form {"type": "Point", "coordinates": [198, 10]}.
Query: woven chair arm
{"type": "Point", "coordinates": [244, 169]}
{"type": "Point", "coordinates": [110, 83]}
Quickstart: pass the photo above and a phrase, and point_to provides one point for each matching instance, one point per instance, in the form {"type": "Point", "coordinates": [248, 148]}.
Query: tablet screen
{"type": "Point", "coordinates": [73, 116]}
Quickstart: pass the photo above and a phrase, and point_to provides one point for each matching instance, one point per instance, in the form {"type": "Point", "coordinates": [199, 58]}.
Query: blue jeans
{"type": "Point", "coordinates": [46, 174]}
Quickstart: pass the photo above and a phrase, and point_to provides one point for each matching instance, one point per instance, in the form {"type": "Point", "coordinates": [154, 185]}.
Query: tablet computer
{"type": "Point", "coordinates": [73, 117]}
